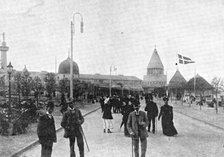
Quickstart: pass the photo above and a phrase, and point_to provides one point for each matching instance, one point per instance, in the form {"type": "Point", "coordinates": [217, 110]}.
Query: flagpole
{"type": "Point", "coordinates": [177, 68]}
{"type": "Point", "coordinates": [194, 81]}
{"type": "Point", "coordinates": [177, 59]}
{"type": "Point", "coordinates": [55, 64]}
{"type": "Point", "coordinates": [110, 80]}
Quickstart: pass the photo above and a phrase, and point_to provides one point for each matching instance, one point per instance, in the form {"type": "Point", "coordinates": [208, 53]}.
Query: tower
{"type": "Point", "coordinates": [155, 77]}
{"type": "Point", "coordinates": [4, 49]}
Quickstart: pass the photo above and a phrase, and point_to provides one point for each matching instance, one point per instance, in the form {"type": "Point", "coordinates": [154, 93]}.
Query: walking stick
{"type": "Point", "coordinates": [132, 146]}
{"type": "Point", "coordinates": [80, 128]}
{"type": "Point", "coordinates": [156, 125]}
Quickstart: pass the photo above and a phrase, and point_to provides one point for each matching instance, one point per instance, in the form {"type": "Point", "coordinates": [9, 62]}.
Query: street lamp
{"type": "Point", "coordinates": [9, 70]}
{"type": "Point", "coordinates": [71, 61]}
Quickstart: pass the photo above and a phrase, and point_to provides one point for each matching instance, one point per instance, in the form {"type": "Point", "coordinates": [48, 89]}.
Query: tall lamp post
{"type": "Point", "coordinates": [9, 70]}
{"type": "Point", "coordinates": [72, 34]}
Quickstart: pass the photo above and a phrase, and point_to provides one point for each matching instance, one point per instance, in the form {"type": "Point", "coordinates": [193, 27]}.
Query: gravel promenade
{"type": "Point", "coordinates": [10, 145]}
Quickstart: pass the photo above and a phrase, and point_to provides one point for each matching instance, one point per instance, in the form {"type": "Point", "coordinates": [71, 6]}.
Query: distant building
{"type": "Point", "coordinates": [155, 77]}
{"type": "Point", "coordinates": [176, 86]}
{"type": "Point", "coordinates": [118, 82]}
{"type": "Point", "coordinates": [198, 86]}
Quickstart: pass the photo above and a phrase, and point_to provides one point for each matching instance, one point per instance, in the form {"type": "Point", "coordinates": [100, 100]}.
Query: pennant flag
{"type": "Point", "coordinates": [184, 60]}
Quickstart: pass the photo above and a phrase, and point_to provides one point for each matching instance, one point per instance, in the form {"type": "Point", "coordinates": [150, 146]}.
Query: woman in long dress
{"type": "Point", "coordinates": [166, 112]}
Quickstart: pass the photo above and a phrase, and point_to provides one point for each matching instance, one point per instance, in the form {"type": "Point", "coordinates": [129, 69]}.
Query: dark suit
{"type": "Point", "coordinates": [126, 110]}
{"type": "Point", "coordinates": [71, 122]}
{"type": "Point", "coordinates": [152, 112]}
{"type": "Point", "coordinates": [47, 134]}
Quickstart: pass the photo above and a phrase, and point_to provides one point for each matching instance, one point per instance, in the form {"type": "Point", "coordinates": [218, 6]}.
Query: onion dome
{"type": "Point", "coordinates": [177, 81]}
{"type": "Point", "coordinates": [64, 67]}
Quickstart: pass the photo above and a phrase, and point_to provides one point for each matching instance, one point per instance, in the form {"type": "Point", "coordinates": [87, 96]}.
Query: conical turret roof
{"type": "Point", "coordinates": [177, 81]}
{"type": "Point", "coordinates": [155, 61]}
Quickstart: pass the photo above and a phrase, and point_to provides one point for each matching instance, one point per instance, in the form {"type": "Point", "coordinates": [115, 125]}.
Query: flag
{"type": "Point", "coordinates": [184, 60]}
{"type": "Point", "coordinates": [113, 68]}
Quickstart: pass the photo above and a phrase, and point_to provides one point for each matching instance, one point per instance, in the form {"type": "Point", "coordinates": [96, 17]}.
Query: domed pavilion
{"type": "Point", "coordinates": [155, 77]}
{"type": "Point", "coordinates": [64, 67]}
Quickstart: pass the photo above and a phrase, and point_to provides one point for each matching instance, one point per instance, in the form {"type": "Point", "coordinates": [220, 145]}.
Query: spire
{"type": "Point", "coordinates": [68, 53]}
{"type": "Point", "coordinates": [3, 35]}
{"type": "Point", "coordinates": [155, 61]}
{"type": "Point", "coordinates": [25, 71]}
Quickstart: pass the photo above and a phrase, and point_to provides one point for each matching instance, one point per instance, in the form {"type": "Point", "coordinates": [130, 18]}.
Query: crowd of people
{"type": "Point", "coordinates": [137, 123]}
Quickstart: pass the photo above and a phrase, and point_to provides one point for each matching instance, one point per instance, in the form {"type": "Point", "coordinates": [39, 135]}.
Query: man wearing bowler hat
{"type": "Point", "coordinates": [71, 122]}
{"type": "Point", "coordinates": [137, 123]}
{"type": "Point", "coordinates": [46, 131]}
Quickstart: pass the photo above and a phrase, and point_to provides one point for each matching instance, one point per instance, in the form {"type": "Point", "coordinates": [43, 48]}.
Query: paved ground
{"type": "Point", "coordinates": [195, 139]}
{"type": "Point", "coordinates": [12, 144]}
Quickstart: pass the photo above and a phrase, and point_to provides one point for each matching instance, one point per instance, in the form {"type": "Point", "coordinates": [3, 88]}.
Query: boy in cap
{"type": "Point", "coordinates": [136, 125]}
{"type": "Point", "coordinates": [46, 131]}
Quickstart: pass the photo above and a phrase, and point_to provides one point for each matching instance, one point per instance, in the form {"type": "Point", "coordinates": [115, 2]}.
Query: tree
{"type": "Point", "coordinates": [2, 86]}
{"type": "Point", "coordinates": [50, 83]}
{"type": "Point", "coordinates": [17, 83]}
{"type": "Point", "coordinates": [218, 85]}
{"type": "Point", "coordinates": [63, 86]}
{"type": "Point", "coordinates": [37, 87]}
{"type": "Point", "coordinates": [26, 83]}
{"type": "Point", "coordinates": [79, 88]}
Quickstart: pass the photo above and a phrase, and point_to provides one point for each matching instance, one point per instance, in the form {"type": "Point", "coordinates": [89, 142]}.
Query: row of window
{"type": "Point", "coordinates": [155, 71]}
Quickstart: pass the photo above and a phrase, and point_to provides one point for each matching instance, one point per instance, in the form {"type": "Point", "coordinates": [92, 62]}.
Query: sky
{"type": "Point", "coordinates": [120, 33]}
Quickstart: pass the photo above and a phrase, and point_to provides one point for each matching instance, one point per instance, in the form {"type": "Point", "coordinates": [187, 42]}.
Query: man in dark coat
{"type": "Point", "coordinates": [46, 131]}
{"type": "Point", "coordinates": [137, 123]}
{"type": "Point", "coordinates": [71, 122]}
{"type": "Point", "coordinates": [152, 112]}
{"type": "Point", "coordinates": [127, 109]}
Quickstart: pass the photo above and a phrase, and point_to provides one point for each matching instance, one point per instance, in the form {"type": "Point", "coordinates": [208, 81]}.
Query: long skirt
{"type": "Point", "coordinates": [169, 128]}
